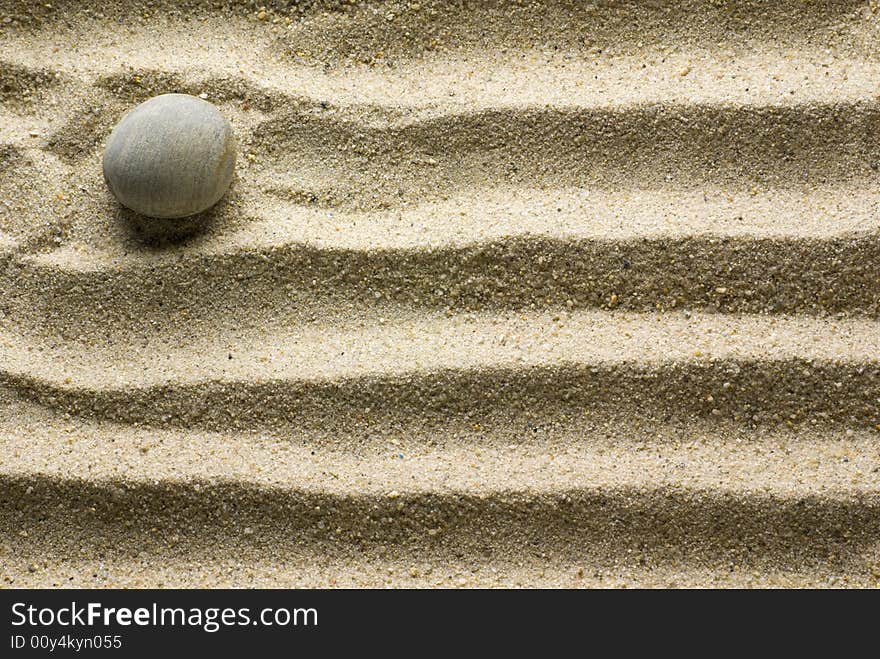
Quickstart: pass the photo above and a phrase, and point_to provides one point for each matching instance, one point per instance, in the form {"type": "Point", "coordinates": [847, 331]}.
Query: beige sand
{"type": "Point", "coordinates": [512, 294]}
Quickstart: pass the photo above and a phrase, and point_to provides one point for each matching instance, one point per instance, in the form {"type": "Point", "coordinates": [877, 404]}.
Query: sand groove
{"type": "Point", "coordinates": [539, 293]}
{"type": "Point", "coordinates": [611, 365]}
{"type": "Point", "coordinates": [568, 525]}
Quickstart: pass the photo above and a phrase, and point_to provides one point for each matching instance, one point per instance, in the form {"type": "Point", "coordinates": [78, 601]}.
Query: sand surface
{"type": "Point", "coordinates": [504, 294]}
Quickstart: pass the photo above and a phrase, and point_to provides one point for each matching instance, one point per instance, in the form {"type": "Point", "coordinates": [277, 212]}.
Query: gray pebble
{"type": "Point", "coordinates": [171, 156]}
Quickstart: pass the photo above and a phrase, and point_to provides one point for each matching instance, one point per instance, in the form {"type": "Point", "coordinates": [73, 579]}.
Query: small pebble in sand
{"type": "Point", "coordinates": [171, 156]}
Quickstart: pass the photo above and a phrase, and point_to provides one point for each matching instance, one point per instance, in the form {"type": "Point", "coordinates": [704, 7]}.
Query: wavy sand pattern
{"type": "Point", "coordinates": [505, 293]}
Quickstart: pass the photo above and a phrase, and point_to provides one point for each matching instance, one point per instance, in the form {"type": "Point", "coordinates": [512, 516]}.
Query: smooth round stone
{"type": "Point", "coordinates": [171, 156]}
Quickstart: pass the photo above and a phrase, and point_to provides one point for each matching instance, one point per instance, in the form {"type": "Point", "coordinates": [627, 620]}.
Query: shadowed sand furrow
{"type": "Point", "coordinates": [760, 392]}
{"type": "Point", "coordinates": [194, 295]}
{"type": "Point", "coordinates": [50, 518]}
{"type": "Point", "coordinates": [396, 30]}
{"type": "Point", "coordinates": [691, 145]}
{"type": "Point", "coordinates": [612, 366]}
{"type": "Point", "coordinates": [334, 33]}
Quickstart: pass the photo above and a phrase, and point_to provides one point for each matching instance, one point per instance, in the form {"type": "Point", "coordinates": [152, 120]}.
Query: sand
{"type": "Point", "coordinates": [504, 294]}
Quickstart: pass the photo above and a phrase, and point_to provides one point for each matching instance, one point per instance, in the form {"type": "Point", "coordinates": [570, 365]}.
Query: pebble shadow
{"type": "Point", "coordinates": [158, 234]}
